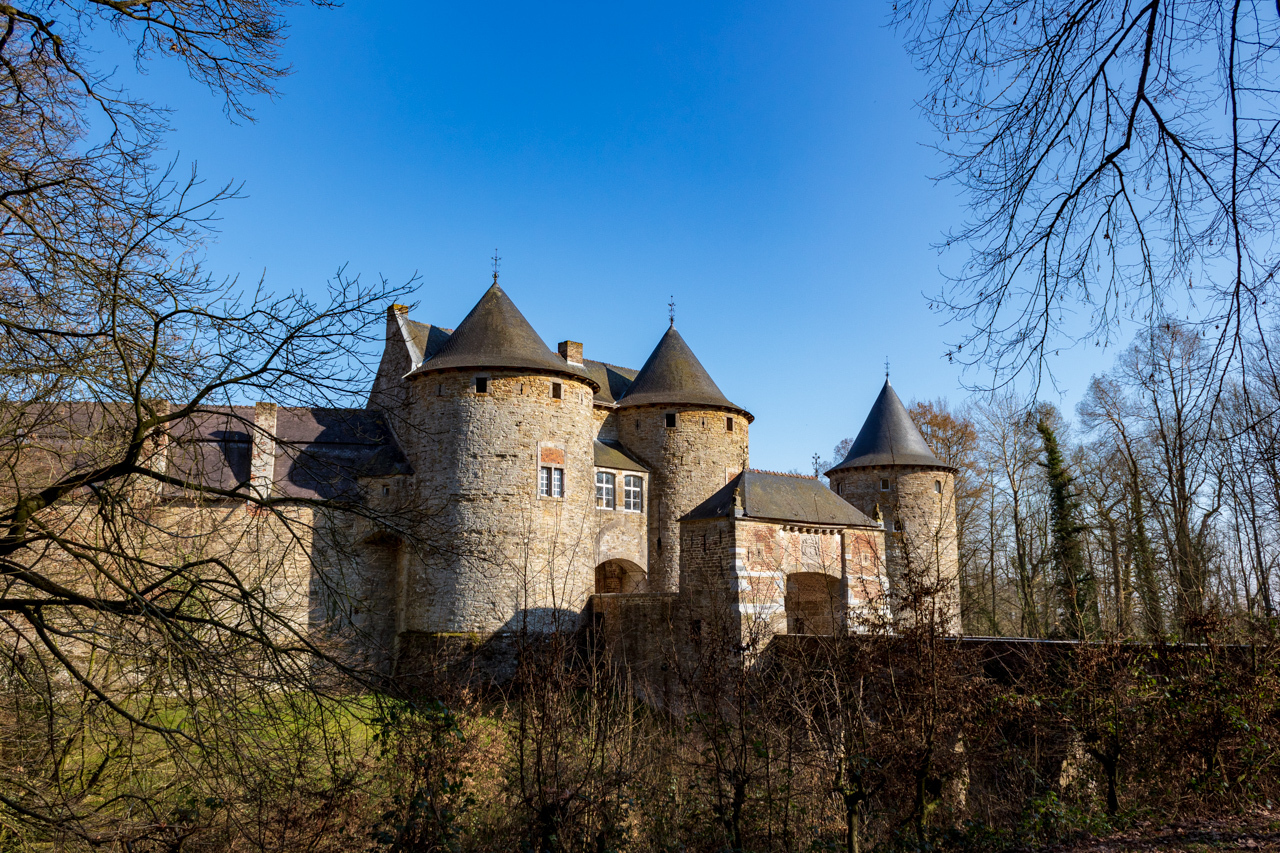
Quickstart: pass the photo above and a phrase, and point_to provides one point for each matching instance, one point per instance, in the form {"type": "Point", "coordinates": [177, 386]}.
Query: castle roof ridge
{"type": "Point", "coordinates": [783, 474]}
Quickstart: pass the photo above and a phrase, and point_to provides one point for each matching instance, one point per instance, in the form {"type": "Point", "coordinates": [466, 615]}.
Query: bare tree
{"type": "Point", "coordinates": [1119, 160]}
{"type": "Point", "coordinates": [154, 595]}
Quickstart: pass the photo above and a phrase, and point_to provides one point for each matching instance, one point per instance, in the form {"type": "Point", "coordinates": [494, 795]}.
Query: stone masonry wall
{"type": "Point", "coordinates": [706, 609]}
{"type": "Point", "coordinates": [921, 500]}
{"type": "Point", "coordinates": [688, 464]}
{"type": "Point", "coordinates": [505, 559]}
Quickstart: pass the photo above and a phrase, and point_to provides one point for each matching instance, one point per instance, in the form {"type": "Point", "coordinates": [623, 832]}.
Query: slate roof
{"type": "Point", "coordinates": [889, 437]}
{"type": "Point", "coordinates": [496, 335]}
{"type": "Point", "coordinates": [320, 453]}
{"type": "Point", "coordinates": [674, 376]}
{"type": "Point", "coordinates": [424, 339]}
{"type": "Point", "coordinates": [613, 380]}
{"type": "Point", "coordinates": [780, 497]}
{"type": "Point", "coordinates": [610, 454]}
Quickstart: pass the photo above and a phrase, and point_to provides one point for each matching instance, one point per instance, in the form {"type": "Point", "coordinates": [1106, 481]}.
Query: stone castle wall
{"type": "Point", "coordinates": [688, 464]}
{"type": "Point", "coordinates": [918, 509]}
{"type": "Point", "coordinates": [506, 558]}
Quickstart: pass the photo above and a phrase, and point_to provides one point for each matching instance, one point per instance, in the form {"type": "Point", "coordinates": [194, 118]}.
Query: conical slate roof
{"type": "Point", "coordinates": [496, 335]}
{"type": "Point", "coordinates": [673, 376]}
{"type": "Point", "coordinates": [889, 437]}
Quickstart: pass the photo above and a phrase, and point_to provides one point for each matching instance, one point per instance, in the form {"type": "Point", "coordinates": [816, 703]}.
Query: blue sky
{"type": "Point", "coordinates": [762, 162]}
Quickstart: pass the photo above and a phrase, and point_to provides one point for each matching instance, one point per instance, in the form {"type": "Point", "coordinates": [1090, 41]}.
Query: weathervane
{"type": "Point", "coordinates": [495, 260]}
{"type": "Point", "coordinates": [886, 367]}
{"type": "Point", "coordinates": [671, 310]}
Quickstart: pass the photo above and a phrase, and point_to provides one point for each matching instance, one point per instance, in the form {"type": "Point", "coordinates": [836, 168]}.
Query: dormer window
{"type": "Point", "coordinates": [482, 385]}
{"type": "Point", "coordinates": [557, 391]}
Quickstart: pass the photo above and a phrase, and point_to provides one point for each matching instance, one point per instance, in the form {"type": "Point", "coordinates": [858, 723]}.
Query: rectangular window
{"type": "Point", "coordinates": [557, 391]}
{"type": "Point", "coordinates": [482, 385]}
{"type": "Point", "coordinates": [937, 486]}
{"type": "Point", "coordinates": [633, 493]}
{"type": "Point", "coordinates": [604, 490]}
{"type": "Point", "coordinates": [884, 485]}
{"type": "Point", "coordinates": [728, 424]}
{"type": "Point", "coordinates": [550, 482]}
{"type": "Point", "coordinates": [671, 420]}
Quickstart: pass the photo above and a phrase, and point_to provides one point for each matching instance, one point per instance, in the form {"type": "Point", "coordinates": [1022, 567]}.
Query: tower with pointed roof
{"type": "Point", "coordinates": [680, 424]}
{"type": "Point", "coordinates": [891, 473]}
{"type": "Point", "coordinates": [500, 432]}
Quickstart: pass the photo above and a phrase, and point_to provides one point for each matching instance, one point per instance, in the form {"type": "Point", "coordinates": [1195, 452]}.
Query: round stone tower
{"type": "Point", "coordinates": [677, 422]}
{"type": "Point", "coordinates": [891, 474]}
{"type": "Point", "coordinates": [500, 435]}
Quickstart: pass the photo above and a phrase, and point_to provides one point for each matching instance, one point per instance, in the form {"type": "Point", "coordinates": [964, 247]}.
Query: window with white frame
{"type": "Point", "coordinates": [604, 490]}
{"type": "Point", "coordinates": [550, 482]}
{"type": "Point", "coordinates": [633, 493]}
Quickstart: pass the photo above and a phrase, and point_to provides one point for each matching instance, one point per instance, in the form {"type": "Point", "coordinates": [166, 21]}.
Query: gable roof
{"type": "Point", "coordinates": [768, 496]}
{"type": "Point", "coordinates": [613, 380]}
{"type": "Point", "coordinates": [496, 335]}
{"type": "Point", "coordinates": [423, 339]}
{"type": "Point", "coordinates": [320, 453]}
{"type": "Point", "coordinates": [673, 376]}
{"type": "Point", "coordinates": [889, 437]}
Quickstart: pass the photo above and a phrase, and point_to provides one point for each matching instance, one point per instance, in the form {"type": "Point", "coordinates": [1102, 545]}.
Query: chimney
{"type": "Point", "coordinates": [262, 462]}
{"type": "Point", "coordinates": [571, 352]}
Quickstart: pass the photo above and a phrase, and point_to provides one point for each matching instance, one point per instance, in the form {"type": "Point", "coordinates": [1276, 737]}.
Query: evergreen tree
{"type": "Point", "coordinates": [1144, 566]}
{"type": "Point", "coordinates": [1072, 577]}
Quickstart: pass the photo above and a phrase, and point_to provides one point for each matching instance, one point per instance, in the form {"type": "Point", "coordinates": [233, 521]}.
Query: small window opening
{"type": "Point", "coordinates": [695, 629]}
{"type": "Point", "coordinates": [557, 391]}
{"type": "Point", "coordinates": [633, 493]}
{"type": "Point", "coordinates": [728, 424]}
{"type": "Point", "coordinates": [671, 420]}
{"type": "Point", "coordinates": [439, 390]}
{"type": "Point", "coordinates": [386, 490]}
{"type": "Point", "coordinates": [884, 485]}
{"type": "Point", "coordinates": [482, 385]}
{"type": "Point", "coordinates": [551, 482]}
{"type": "Point", "coordinates": [937, 486]}
{"type": "Point", "coordinates": [604, 490]}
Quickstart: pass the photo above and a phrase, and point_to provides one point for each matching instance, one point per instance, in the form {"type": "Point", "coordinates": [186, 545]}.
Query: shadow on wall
{"type": "Point", "coordinates": [436, 663]}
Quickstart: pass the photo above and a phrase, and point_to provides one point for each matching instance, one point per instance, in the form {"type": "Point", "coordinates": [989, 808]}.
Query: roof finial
{"type": "Point", "coordinates": [495, 260]}
{"type": "Point", "coordinates": [886, 368]}
{"type": "Point", "coordinates": [671, 310]}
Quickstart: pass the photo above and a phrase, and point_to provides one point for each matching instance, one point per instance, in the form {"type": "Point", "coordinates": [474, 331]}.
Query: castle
{"type": "Point", "coordinates": [495, 487]}
{"type": "Point", "coordinates": [562, 481]}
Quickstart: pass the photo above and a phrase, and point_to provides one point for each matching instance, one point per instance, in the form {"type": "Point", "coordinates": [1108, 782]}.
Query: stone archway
{"type": "Point", "coordinates": [619, 576]}
{"type": "Point", "coordinates": [814, 604]}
